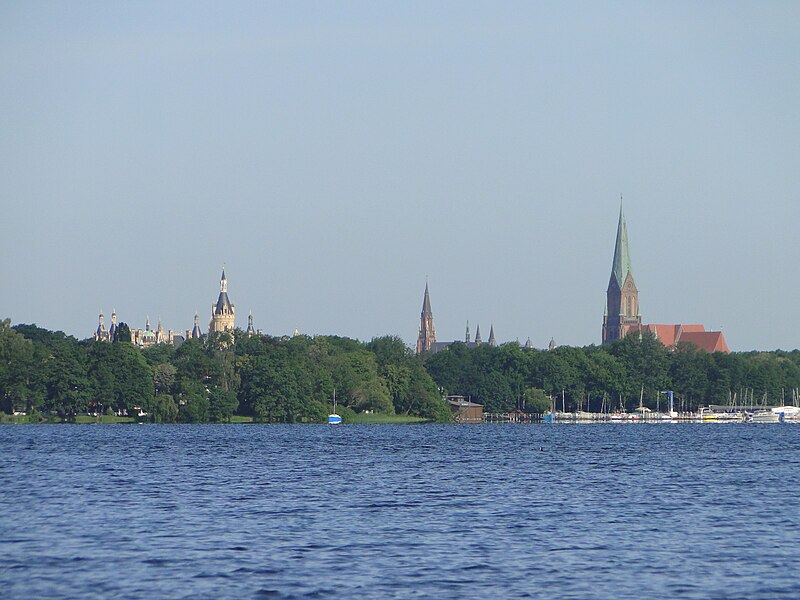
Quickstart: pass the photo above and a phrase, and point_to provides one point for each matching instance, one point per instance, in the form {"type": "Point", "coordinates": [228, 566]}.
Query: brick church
{"type": "Point", "coordinates": [622, 307]}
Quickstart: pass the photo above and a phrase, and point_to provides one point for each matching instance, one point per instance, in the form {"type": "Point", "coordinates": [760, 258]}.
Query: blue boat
{"type": "Point", "coordinates": [333, 418]}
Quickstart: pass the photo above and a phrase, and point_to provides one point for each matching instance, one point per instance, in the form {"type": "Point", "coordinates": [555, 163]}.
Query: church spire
{"type": "Point", "coordinates": [492, 341]}
{"type": "Point", "coordinates": [622, 255]}
{"type": "Point", "coordinates": [621, 314]}
{"type": "Point", "coordinates": [427, 333]}
{"type": "Point", "coordinates": [467, 336]}
{"type": "Point", "coordinates": [478, 340]}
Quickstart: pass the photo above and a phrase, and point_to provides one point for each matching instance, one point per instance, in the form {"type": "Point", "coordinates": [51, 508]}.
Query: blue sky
{"type": "Point", "coordinates": [334, 155]}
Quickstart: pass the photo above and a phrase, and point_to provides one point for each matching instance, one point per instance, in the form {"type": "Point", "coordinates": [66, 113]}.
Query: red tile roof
{"type": "Point", "coordinates": [671, 335]}
{"type": "Point", "coordinates": [710, 341]}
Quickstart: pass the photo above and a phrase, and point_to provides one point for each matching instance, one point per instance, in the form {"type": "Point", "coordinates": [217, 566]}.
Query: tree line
{"type": "Point", "coordinates": [614, 376]}
{"type": "Point", "coordinates": [281, 380]}
{"type": "Point", "coordinates": [292, 379]}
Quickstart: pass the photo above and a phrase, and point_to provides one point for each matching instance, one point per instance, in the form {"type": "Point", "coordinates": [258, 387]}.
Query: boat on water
{"type": "Point", "coordinates": [765, 416]}
{"type": "Point", "coordinates": [787, 413]}
{"type": "Point", "coordinates": [333, 418]}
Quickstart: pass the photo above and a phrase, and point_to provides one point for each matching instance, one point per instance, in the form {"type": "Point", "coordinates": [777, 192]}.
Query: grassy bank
{"type": "Point", "coordinates": [103, 419]}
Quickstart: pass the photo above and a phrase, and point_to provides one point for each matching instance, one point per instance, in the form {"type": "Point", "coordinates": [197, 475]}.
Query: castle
{"type": "Point", "coordinates": [223, 318]}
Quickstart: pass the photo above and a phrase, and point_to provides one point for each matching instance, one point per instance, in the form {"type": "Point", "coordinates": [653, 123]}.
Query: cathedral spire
{"type": "Point", "coordinates": [622, 255]}
{"type": "Point", "coordinates": [478, 340]}
{"type": "Point", "coordinates": [467, 336]}
{"type": "Point", "coordinates": [621, 313]}
{"type": "Point", "coordinates": [492, 341]}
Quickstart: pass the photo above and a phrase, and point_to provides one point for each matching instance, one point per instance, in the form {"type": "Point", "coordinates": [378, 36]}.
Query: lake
{"type": "Point", "coordinates": [399, 511]}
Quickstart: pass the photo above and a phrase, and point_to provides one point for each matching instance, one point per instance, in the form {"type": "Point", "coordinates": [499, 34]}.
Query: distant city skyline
{"type": "Point", "coordinates": [334, 157]}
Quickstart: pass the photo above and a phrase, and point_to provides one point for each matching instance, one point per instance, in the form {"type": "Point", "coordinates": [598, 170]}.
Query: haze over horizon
{"type": "Point", "coordinates": [333, 157]}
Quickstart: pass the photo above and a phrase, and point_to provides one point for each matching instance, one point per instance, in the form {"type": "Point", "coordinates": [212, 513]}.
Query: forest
{"type": "Point", "coordinates": [292, 379]}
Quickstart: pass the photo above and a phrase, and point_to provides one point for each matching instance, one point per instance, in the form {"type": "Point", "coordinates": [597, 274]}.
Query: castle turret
{"type": "Point", "coordinates": [250, 329]}
{"type": "Point", "coordinates": [427, 333]}
{"type": "Point", "coordinates": [112, 332]}
{"type": "Point", "coordinates": [223, 313]}
{"type": "Point", "coordinates": [196, 333]}
{"type": "Point", "coordinates": [101, 335]}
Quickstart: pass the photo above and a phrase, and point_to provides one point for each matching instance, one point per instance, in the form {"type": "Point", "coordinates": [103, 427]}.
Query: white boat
{"type": "Point", "coordinates": [333, 418]}
{"type": "Point", "coordinates": [765, 416]}
{"type": "Point", "coordinates": [787, 413]}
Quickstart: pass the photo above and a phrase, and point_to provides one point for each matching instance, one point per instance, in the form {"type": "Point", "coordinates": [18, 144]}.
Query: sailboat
{"type": "Point", "coordinates": [333, 418]}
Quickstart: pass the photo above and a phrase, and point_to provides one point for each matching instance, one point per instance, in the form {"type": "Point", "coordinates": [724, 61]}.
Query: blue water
{"type": "Point", "coordinates": [251, 511]}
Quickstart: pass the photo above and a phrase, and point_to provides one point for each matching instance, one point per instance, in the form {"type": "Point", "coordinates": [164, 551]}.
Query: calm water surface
{"type": "Point", "coordinates": [251, 511]}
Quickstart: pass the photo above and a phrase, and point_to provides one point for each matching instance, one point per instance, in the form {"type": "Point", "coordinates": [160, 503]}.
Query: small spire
{"type": "Point", "coordinates": [223, 282]}
{"type": "Point", "coordinates": [250, 329]}
{"type": "Point", "coordinates": [466, 337]}
{"type": "Point", "coordinates": [196, 333]}
{"type": "Point", "coordinates": [426, 302]}
{"type": "Point", "coordinates": [492, 341]}
{"type": "Point", "coordinates": [478, 340]}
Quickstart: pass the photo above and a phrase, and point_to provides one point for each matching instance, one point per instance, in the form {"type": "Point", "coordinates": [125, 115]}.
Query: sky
{"type": "Point", "coordinates": [335, 156]}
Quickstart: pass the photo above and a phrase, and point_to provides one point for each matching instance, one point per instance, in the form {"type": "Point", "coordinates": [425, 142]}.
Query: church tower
{"type": "Point", "coordinates": [622, 297]}
{"type": "Point", "coordinates": [427, 334]}
{"type": "Point", "coordinates": [223, 313]}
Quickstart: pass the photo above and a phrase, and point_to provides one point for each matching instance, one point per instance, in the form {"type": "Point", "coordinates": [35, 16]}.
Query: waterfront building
{"type": "Point", "coordinates": [464, 411]}
{"type": "Point", "coordinates": [223, 313]}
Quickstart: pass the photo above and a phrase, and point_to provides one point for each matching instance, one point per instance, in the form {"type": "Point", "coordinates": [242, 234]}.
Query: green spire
{"type": "Point", "coordinates": [622, 256]}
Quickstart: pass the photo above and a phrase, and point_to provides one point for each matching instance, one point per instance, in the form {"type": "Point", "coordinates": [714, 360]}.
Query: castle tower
{"type": "Point", "coordinates": [223, 313]}
{"type": "Point", "coordinates": [196, 333]}
{"type": "Point", "coordinates": [427, 334]}
{"type": "Point", "coordinates": [250, 329]}
{"type": "Point", "coordinates": [101, 335]}
{"type": "Point", "coordinates": [112, 333]}
{"type": "Point", "coordinates": [622, 297]}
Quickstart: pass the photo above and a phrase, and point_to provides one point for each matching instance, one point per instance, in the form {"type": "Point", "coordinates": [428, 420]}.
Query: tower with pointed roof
{"type": "Point", "coordinates": [251, 331]}
{"type": "Point", "coordinates": [427, 333]}
{"type": "Point", "coordinates": [101, 335]}
{"type": "Point", "coordinates": [112, 332]}
{"type": "Point", "coordinates": [223, 313]}
{"type": "Point", "coordinates": [478, 340]}
{"type": "Point", "coordinates": [622, 296]}
{"type": "Point", "coordinates": [196, 333]}
{"type": "Point", "coordinates": [492, 341]}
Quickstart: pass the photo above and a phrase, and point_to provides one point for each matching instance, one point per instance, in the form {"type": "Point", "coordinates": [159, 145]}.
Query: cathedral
{"type": "Point", "coordinates": [622, 307]}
